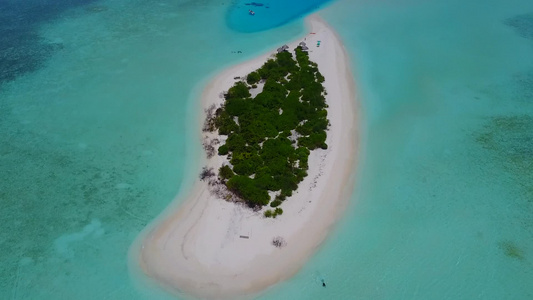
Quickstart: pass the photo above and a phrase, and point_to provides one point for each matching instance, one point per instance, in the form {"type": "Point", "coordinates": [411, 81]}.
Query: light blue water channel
{"type": "Point", "coordinates": [98, 135]}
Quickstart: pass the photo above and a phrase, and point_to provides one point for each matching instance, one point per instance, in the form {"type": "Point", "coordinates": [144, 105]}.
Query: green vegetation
{"type": "Point", "coordinates": [270, 136]}
{"type": "Point", "coordinates": [272, 214]}
{"type": "Point", "coordinates": [275, 203]}
{"type": "Point", "coordinates": [223, 150]}
{"type": "Point", "coordinates": [225, 172]}
{"type": "Point", "coordinates": [253, 78]}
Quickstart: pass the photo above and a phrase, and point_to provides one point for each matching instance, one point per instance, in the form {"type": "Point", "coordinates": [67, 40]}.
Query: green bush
{"type": "Point", "coordinates": [239, 90]}
{"type": "Point", "coordinates": [313, 141]}
{"type": "Point", "coordinates": [244, 187]}
{"type": "Point", "coordinates": [278, 211]}
{"type": "Point", "coordinates": [223, 150]}
{"type": "Point", "coordinates": [268, 69]}
{"type": "Point", "coordinates": [275, 203]}
{"type": "Point", "coordinates": [246, 166]}
{"type": "Point", "coordinates": [236, 142]}
{"type": "Point", "coordinates": [319, 77]}
{"type": "Point", "coordinates": [253, 78]}
{"type": "Point", "coordinates": [300, 174]}
{"type": "Point", "coordinates": [237, 106]}
{"type": "Point", "coordinates": [281, 197]}
{"type": "Point", "coordinates": [276, 148]}
{"type": "Point", "coordinates": [225, 172]}
{"type": "Point", "coordinates": [285, 192]}
{"type": "Point", "coordinates": [225, 123]}
{"type": "Point", "coordinates": [265, 181]}
{"type": "Point", "coordinates": [268, 213]}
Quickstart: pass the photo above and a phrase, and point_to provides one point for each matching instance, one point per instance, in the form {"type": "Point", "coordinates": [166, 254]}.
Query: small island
{"type": "Point", "coordinates": [267, 118]}
{"type": "Point", "coordinates": [272, 120]}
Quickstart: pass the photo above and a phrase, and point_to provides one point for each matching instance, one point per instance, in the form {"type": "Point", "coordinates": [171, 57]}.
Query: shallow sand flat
{"type": "Point", "coordinates": [197, 248]}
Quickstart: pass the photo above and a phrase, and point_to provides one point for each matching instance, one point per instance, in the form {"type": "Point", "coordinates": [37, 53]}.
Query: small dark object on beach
{"type": "Point", "coordinates": [278, 242]}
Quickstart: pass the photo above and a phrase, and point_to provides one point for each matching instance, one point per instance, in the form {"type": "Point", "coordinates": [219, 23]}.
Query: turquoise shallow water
{"type": "Point", "coordinates": [97, 132]}
{"type": "Point", "coordinates": [443, 204]}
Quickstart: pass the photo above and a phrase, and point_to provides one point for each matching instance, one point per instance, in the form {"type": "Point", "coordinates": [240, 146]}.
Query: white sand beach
{"type": "Point", "coordinates": [210, 248]}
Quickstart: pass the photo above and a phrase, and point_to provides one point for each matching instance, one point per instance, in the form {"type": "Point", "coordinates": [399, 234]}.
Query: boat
{"type": "Point", "coordinates": [251, 12]}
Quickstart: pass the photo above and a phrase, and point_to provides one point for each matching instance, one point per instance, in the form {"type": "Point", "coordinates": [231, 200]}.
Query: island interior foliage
{"type": "Point", "coordinates": [270, 136]}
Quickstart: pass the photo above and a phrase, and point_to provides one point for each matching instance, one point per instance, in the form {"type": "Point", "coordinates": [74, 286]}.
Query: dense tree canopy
{"type": "Point", "coordinates": [270, 136]}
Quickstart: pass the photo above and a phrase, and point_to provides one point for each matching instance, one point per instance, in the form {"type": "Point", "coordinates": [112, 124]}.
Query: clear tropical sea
{"type": "Point", "coordinates": [98, 134]}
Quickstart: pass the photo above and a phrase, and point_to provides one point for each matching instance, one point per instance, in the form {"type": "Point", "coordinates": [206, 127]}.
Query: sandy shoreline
{"type": "Point", "coordinates": [197, 248]}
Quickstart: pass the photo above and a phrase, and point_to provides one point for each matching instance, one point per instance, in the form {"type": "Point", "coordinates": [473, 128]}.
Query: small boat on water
{"type": "Point", "coordinates": [251, 12]}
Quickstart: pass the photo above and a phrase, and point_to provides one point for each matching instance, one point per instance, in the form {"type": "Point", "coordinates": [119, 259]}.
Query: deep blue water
{"type": "Point", "coordinates": [268, 14]}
